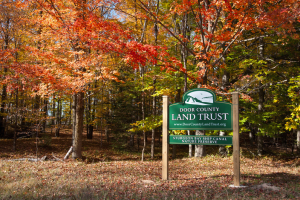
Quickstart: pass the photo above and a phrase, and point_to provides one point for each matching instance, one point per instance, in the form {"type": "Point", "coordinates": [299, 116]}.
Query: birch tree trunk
{"type": "Point", "coordinates": [222, 149]}
{"type": "Point", "coordinates": [153, 130]}
{"type": "Point", "coordinates": [143, 115]}
{"type": "Point", "coordinates": [225, 84]}
{"type": "Point", "coordinates": [154, 82]}
{"type": "Point", "coordinates": [200, 149]}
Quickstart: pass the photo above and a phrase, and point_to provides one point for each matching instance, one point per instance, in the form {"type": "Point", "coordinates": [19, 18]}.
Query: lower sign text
{"type": "Point", "coordinates": [200, 140]}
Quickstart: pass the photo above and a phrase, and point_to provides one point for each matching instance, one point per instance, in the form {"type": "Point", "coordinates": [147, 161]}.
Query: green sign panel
{"type": "Point", "coordinates": [200, 140]}
{"type": "Point", "coordinates": [200, 111]}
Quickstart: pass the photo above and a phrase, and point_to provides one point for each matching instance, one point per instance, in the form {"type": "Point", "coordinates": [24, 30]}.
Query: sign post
{"type": "Point", "coordinates": [165, 143]}
{"type": "Point", "coordinates": [236, 140]}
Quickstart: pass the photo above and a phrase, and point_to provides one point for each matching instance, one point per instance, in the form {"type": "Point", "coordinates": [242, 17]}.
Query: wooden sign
{"type": "Point", "coordinates": [195, 99]}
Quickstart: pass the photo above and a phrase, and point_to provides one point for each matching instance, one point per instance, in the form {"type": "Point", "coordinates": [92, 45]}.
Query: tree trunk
{"type": "Point", "coordinates": [260, 145]}
{"type": "Point", "coordinates": [90, 131]}
{"type": "Point", "coordinates": [134, 119]}
{"type": "Point", "coordinates": [58, 119]}
{"type": "Point", "coordinates": [222, 149]}
{"type": "Point", "coordinates": [298, 141]}
{"type": "Point", "coordinates": [36, 109]}
{"type": "Point", "coordinates": [94, 111]}
{"type": "Point", "coordinates": [78, 125]}
{"type": "Point", "coordinates": [22, 105]}
{"type": "Point", "coordinates": [200, 149]}
{"type": "Point", "coordinates": [4, 92]}
{"type": "Point", "coordinates": [154, 81]}
{"type": "Point", "coordinates": [102, 110]}
{"type": "Point", "coordinates": [144, 144]}
{"type": "Point", "coordinates": [177, 99]}
{"type": "Point", "coordinates": [131, 140]}
{"type": "Point", "coordinates": [16, 122]}
{"type": "Point", "coordinates": [144, 132]}
{"type": "Point", "coordinates": [2, 110]}
{"type": "Point", "coordinates": [45, 115]}
{"type": "Point", "coordinates": [90, 127]}
{"type": "Point", "coordinates": [70, 113]}
{"type": "Point", "coordinates": [53, 112]}
{"type": "Point", "coordinates": [57, 129]}
{"type": "Point", "coordinates": [225, 84]}
{"type": "Point", "coordinates": [153, 130]}
{"type": "Point", "coordinates": [110, 117]}
{"type": "Point", "coordinates": [260, 113]}
{"type": "Point", "coordinates": [190, 146]}
{"type": "Point", "coordinates": [74, 104]}
{"type": "Point", "coordinates": [106, 134]}
{"type": "Point", "coordinates": [174, 151]}
{"type": "Point", "coordinates": [252, 133]}
{"type": "Point", "coordinates": [261, 99]}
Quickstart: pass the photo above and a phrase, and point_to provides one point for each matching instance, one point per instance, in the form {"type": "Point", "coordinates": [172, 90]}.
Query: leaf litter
{"type": "Point", "coordinates": [126, 177]}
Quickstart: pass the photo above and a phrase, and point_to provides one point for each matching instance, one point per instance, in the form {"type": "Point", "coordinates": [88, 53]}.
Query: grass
{"type": "Point", "coordinates": [109, 174]}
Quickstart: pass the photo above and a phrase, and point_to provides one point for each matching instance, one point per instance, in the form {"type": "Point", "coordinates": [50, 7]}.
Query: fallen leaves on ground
{"type": "Point", "coordinates": [105, 173]}
{"type": "Point", "coordinates": [208, 178]}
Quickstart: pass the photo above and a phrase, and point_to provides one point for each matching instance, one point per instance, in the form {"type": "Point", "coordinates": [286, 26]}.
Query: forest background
{"type": "Point", "coordinates": [105, 65]}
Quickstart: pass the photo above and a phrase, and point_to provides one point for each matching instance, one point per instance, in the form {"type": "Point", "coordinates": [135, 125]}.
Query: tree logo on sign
{"type": "Point", "coordinates": [199, 98]}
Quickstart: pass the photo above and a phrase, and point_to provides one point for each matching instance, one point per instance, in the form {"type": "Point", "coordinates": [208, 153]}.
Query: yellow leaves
{"type": "Point", "coordinates": [293, 121]}
{"type": "Point", "coordinates": [297, 109]}
{"type": "Point", "coordinates": [177, 132]}
{"type": "Point", "coordinates": [290, 124]}
{"type": "Point", "coordinates": [148, 88]}
{"type": "Point", "coordinates": [164, 91]}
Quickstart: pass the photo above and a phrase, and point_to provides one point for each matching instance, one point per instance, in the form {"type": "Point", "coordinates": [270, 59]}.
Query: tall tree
{"type": "Point", "coordinates": [8, 33]}
{"type": "Point", "coordinates": [218, 26]}
{"type": "Point", "coordinates": [77, 37]}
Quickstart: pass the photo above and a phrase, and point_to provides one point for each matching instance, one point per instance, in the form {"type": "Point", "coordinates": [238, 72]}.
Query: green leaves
{"type": "Point", "coordinates": [148, 124]}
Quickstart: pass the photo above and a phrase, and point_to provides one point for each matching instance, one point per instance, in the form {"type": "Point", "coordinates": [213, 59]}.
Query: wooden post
{"type": "Point", "coordinates": [236, 140]}
{"type": "Point", "coordinates": [165, 142]}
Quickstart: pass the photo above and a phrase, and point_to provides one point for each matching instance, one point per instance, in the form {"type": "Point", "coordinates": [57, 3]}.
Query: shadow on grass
{"type": "Point", "coordinates": [277, 179]}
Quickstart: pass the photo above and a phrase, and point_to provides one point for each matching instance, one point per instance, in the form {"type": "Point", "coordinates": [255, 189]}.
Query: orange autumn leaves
{"type": "Point", "coordinates": [69, 43]}
{"type": "Point", "coordinates": [73, 43]}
